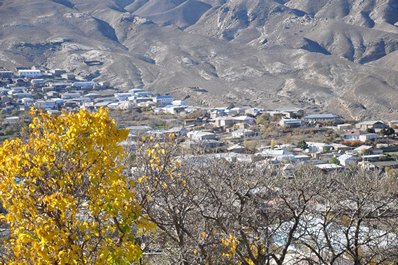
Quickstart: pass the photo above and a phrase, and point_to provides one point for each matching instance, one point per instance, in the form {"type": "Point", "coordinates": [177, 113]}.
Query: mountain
{"type": "Point", "coordinates": [321, 55]}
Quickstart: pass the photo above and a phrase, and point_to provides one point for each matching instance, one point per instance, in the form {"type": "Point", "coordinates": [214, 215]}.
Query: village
{"type": "Point", "coordinates": [286, 137]}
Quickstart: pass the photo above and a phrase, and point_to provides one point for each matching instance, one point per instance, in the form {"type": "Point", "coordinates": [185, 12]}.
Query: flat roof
{"type": "Point", "coordinates": [321, 116]}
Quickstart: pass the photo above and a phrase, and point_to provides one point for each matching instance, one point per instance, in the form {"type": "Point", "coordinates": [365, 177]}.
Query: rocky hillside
{"type": "Point", "coordinates": [326, 55]}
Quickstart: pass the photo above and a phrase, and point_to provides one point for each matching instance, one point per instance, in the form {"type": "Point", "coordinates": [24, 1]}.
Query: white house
{"type": "Point", "coordinates": [201, 136]}
{"type": "Point", "coordinates": [41, 104]}
{"type": "Point", "coordinates": [243, 133]}
{"type": "Point", "coordinates": [323, 118]}
{"type": "Point", "coordinates": [27, 102]}
{"type": "Point", "coordinates": [6, 74]}
{"type": "Point", "coordinates": [375, 125]}
{"type": "Point", "coordinates": [348, 159]}
{"type": "Point", "coordinates": [84, 85]}
{"type": "Point", "coordinates": [227, 122]}
{"type": "Point", "coordinates": [278, 154]}
{"type": "Point", "coordinates": [70, 95]}
{"type": "Point", "coordinates": [178, 131]}
{"type": "Point", "coordinates": [393, 123]}
{"type": "Point", "coordinates": [290, 123]}
{"type": "Point", "coordinates": [142, 94]}
{"type": "Point", "coordinates": [37, 82]}
{"type": "Point", "coordinates": [179, 102]}
{"type": "Point", "coordinates": [329, 167]}
{"type": "Point", "coordinates": [22, 95]}
{"type": "Point", "coordinates": [11, 120]}
{"type": "Point", "coordinates": [356, 135]}
{"type": "Point", "coordinates": [319, 147]}
{"type": "Point", "coordinates": [29, 73]}
{"type": "Point", "coordinates": [123, 96]}
{"type": "Point", "coordinates": [170, 109]}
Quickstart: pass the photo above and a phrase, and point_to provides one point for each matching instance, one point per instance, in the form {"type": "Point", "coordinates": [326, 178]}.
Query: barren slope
{"type": "Point", "coordinates": [329, 55]}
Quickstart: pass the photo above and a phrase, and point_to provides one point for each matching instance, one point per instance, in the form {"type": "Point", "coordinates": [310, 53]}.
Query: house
{"type": "Point", "coordinates": [243, 133]}
{"type": "Point", "coordinates": [290, 123]}
{"type": "Point", "coordinates": [236, 148]}
{"type": "Point", "coordinates": [344, 127]}
{"type": "Point", "coordinates": [57, 86]}
{"type": "Point", "coordinates": [382, 165]}
{"type": "Point", "coordinates": [16, 90]}
{"type": "Point", "coordinates": [315, 147]}
{"type": "Point", "coordinates": [138, 100]}
{"type": "Point", "coordinates": [4, 91]}
{"type": "Point", "coordinates": [179, 102]}
{"type": "Point", "coordinates": [22, 95]}
{"type": "Point", "coordinates": [92, 95]}
{"type": "Point", "coordinates": [6, 75]}
{"type": "Point", "coordinates": [123, 96]}
{"type": "Point", "coordinates": [41, 104]}
{"type": "Point", "coordinates": [138, 130]}
{"type": "Point", "coordinates": [348, 160]}
{"type": "Point", "coordinates": [302, 158]}
{"type": "Point", "coordinates": [178, 131]}
{"type": "Point", "coordinates": [218, 112]}
{"type": "Point", "coordinates": [193, 122]}
{"type": "Point", "coordinates": [293, 113]}
{"type": "Point", "coordinates": [84, 85]}
{"type": "Point", "coordinates": [228, 122]}
{"type": "Point", "coordinates": [377, 126]}
{"type": "Point", "coordinates": [70, 95]}
{"type": "Point", "coordinates": [210, 144]}
{"type": "Point", "coordinates": [278, 154]}
{"type": "Point", "coordinates": [142, 94]}
{"type": "Point", "coordinates": [323, 119]}
{"type": "Point", "coordinates": [172, 109]}
{"type": "Point", "coordinates": [201, 135]}
{"type": "Point", "coordinates": [27, 102]}
{"type": "Point", "coordinates": [376, 157]}
{"type": "Point", "coordinates": [238, 110]}
{"type": "Point", "coordinates": [36, 83]}
{"type": "Point", "coordinates": [57, 72]}
{"type": "Point", "coordinates": [163, 100]}
{"type": "Point", "coordinates": [393, 124]}
{"type": "Point", "coordinates": [68, 76]}
{"type": "Point", "coordinates": [11, 120]}
{"type": "Point", "coordinates": [245, 119]}
{"type": "Point", "coordinates": [225, 122]}
{"type": "Point", "coordinates": [329, 167]}
{"type": "Point", "coordinates": [356, 135]}
{"type": "Point", "coordinates": [29, 73]}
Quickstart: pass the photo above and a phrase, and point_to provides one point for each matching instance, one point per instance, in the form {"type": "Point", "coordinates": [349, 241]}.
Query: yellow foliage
{"type": "Point", "coordinates": [231, 243]}
{"type": "Point", "coordinates": [66, 199]}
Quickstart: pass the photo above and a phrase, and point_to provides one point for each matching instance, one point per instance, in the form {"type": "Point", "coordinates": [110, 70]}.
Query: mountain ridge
{"type": "Point", "coordinates": [327, 55]}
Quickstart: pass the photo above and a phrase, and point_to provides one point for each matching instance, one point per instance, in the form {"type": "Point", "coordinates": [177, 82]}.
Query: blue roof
{"type": "Point", "coordinates": [321, 116]}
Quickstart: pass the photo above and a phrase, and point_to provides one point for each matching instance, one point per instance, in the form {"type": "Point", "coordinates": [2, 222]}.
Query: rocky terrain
{"type": "Point", "coordinates": [322, 55]}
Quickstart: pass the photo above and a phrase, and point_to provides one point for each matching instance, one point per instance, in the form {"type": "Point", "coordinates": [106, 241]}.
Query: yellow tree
{"type": "Point", "coordinates": [66, 199]}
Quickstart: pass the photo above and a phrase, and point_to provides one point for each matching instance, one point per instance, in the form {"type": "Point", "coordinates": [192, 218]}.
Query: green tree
{"type": "Point", "coordinates": [387, 131]}
{"type": "Point", "coordinates": [302, 144]}
{"type": "Point", "coordinates": [334, 160]}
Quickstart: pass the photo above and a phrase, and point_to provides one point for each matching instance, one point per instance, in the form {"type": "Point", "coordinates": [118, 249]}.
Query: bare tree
{"type": "Point", "coordinates": [354, 221]}
{"type": "Point", "coordinates": [210, 211]}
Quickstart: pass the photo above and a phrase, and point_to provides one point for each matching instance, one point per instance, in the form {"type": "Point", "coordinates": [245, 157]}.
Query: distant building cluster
{"type": "Point", "coordinates": [235, 133]}
{"type": "Point", "coordinates": [55, 89]}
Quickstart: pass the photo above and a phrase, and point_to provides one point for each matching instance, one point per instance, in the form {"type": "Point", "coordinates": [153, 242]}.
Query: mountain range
{"type": "Point", "coordinates": [337, 56]}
